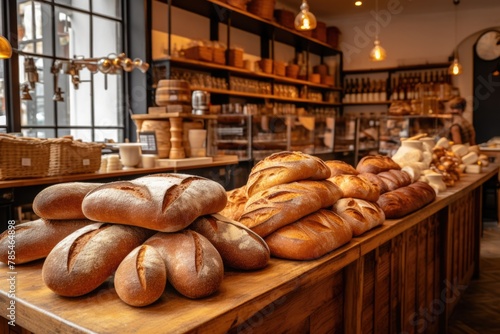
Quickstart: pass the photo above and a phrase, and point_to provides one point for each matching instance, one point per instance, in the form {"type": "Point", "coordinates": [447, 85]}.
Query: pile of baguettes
{"type": "Point", "coordinates": [185, 229]}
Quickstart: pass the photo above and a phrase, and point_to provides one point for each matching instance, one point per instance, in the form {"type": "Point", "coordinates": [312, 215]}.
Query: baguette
{"type": "Point", "coordinates": [86, 258]}
{"type": "Point", "coordinates": [62, 201]}
{"type": "Point", "coordinates": [356, 187]}
{"type": "Point", "coordinates": [339, 167]}
{"type": "Point", "coordinates": [268, 210]}
{"type": "Point", "coordinates": [285, 167]}
{"type": "Point", "coordinates": [395, 179]}
{"type": "Point", "coordinates": [141, 277]}
{"type": "Point", "coordinates": [405, 200]}
{"type": "Point", "coordinates": [195, 268]}
{"type": "Point", "coordinates": [310, 237]}
{"type": "Point", "coordinates": [161, 202]}
{"type": "Point", "coordinates": [235, 206]}
{"type": "Point", "coordinates": [361, 215]}
{"type": "Point", "coordinates": [375, 179]}
{"type": "Point", "coordinates": [239, 246]}
{"type": "Point", "coordinates": [376, 164]}
{"type": "Point", "coordinates": [35, 239]}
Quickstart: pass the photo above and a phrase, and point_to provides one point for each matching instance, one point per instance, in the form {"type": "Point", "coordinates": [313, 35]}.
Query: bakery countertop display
{"type": "Point", "coordinates": [398, 277]}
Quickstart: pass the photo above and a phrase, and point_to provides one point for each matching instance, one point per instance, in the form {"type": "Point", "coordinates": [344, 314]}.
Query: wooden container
{"type": "Point", "coordinates": [262, 8]}
{"type": "Point", "coordinates": [68, 156]}
{"type": "Point", "coordinates": [219, 55]}
{"type": "Point", "coordinates": [266, 66]}
{"type": "Point", "coordinates": [236, 57]}
{"type": "Point", "coordinates": [22, 157]}
{"type": "Point", "coordinates": [332, 36]}
{"type": "Point", "coordinates": [199, 52]}
{"type": "Point", "coordinates": [315, 78]}
{"type": "Point", "coordinates": [279, 68]}
{"type": "Point", "coordinates": [328, 80]}
{"type": "Point", "coordinates": [321, 69]}
{"type": "Point", "coordinates": [170, 92]}
{"type": "Point", "coordinates": [292, 71]}
{"type": "Point", "coordinates": [320, 32]}
{"type": "Point", "coordinates": [285, 17]}
{"type": "Point", "coordinates": [240, 4]}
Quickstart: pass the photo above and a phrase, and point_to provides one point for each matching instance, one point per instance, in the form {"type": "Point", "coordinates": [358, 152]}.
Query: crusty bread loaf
{"type": "Point", "coordinates": [239, 246]}
{"type": "Point", "coordinates": [86, 258]}
{"type": "Point", "coordinates": [195, 268]}
{"type": "Point", "coordinates": [361, 215]}
{"type": "Point", "coordinates": [285, 167]}
{"type": "Point", "coordinates": [268, 210]}
{"type": "Point", "coordinates": [354, 186]}
{"type": "Point", "coordinates": [235, 206]}
{"type": "Point", "coordinates": [395, 179]}
{"type": "Point", "coordinates": [141, 277]}
{"type": "Point", "coordinates": [375, 179]}
{"type": "Point", "coordinates": [339, 167]}
{"type": "Point", "coordinates": [35, 239]}
{"type": "Point", "coordinates": [162, 202]}
{"type": "Point", "coordinates": [62, 201]}
{"type": "Point", "coordinates": [405, 200]}
{"type": "Point", "coordinates": [376, 164]}
{"type": "Point", "coordinates": [310, 237]}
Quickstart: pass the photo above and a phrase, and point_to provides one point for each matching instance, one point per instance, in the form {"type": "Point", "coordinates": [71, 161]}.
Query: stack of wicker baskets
{"type": "Point", "coordinates": [262, 8]}
{"type": "Point", "coordinates": [68, 156]}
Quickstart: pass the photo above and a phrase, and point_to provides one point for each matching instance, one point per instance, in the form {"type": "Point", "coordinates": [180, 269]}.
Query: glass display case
{"type": "Point", "coordinates": [356, 136]}
{"type": "Point", "coordinates": [232, 135]}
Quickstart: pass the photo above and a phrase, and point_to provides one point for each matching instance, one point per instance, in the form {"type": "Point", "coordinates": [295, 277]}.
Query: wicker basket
{"type": "Point", "coordinates": [266, 65]}
{"type": "Point", "coordinates": [285, 17]}
{"type": "Point", "coordinates": [23, 157]}
{"type": "Point", "coordinates": [73, 157]}
{"type": "Point", "coordinates": [279, 68]}
{"type": "Point", "coordinates": [320, 32]}
{"type": "Point", "coordinates": [292, 71]}
{"type": "Point", "coordinates": [199, 52]}
{"type": "Point", "coordinates": [262, 8]}
{"type": "Point", "coordinates": [219, 55]}
{"type": "Point", "coordinates": [236, 57]}
{"type": "Point", "coordinates": [240, 4]}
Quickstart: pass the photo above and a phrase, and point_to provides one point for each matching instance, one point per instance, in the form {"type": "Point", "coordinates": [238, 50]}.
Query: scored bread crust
{"type": "Point", "coordinates": [339, 167]}
{"type": "Point", "coordinates": [239, 246]}
{"type": "Point", "coordinates": [141, 277]}
{"type": "Point", "coordinates": [62, 201]}
{"type": "Point", "coordinates": [376, 164]}
{"type": "Point", "coordinates": [395, 179]}
{"type": "Point", "coordinates": [356, 187]}
{"type": "Point", "coordinates": [375, 179]}
{"type": "Point", "coordinates": [194, 266]}
{"type": "Point", "coordinates": [405, 200]}
{"type": "Point", "coordinates": [361, 215]}
{"type": "Point", "coordinates": [35, 239]}
{"type": "Point", "coordinates": [162, 202]}
{"type": "Point", "coordinates": [310, 237]}
{"type": "Point", "coordinates": [285, 167]}
{"type": "Point", "coordinates": [235, 206]}
{"type": "Point", "coordinates": [268, 210]}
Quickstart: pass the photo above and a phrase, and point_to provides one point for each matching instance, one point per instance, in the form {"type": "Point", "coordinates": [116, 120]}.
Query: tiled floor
{"type": "Point", "coordinates": [479, 308]}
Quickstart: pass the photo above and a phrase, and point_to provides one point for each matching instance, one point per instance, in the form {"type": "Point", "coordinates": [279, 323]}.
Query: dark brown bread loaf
{"type": "Point", "coordinates": [361, 215]}
{"type": "Point", "coordinates": [141, 277]}
{"type": "Point", "coordinates": [375, 179]}
{"type": "Point", "coordinates": [86, 258]}
{"type": "Point", "coordinates": [62, 201]}
{"type": "Point", "coordinates": [161, 202]}
{"type": "Point", "coordinates": [239, 246]}
{"type": "Point", "coordinates": [356, 187]}
{"type": "Point", "coordinates": [268, 210]}
{"type": "Point", "coordinates": [235, 206]}
{"type": "Point", "coordinates": [310, 237]}
{"type": "Point", "coordinates": [395, 179]}
{"type": "Point", "coordinates": [403, 201]}
{"type": "Point", "coordinates": [285, 167]}
{"type": "Point", "coordinates": [376, 164]}
{"type": "Point", "coordinates": [195, 268]}
{"type": "Point", "coordinates": [35, 239]}
{"type": "Point", "coordinates": [339, 167]}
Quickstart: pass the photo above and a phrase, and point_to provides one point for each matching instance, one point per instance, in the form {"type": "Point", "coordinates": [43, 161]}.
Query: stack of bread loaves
{"type": "Point", "coordinates": [142, 231]}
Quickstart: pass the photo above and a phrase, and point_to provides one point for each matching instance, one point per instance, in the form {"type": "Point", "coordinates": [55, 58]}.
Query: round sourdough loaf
{"type": "Point", "coordinates": [339, 167]}
{"type": "Point", "coordinates": [86, 258]}
{"type": "Point", "coordinates": [195, 268]}
{"type": "Point", "coordinates": [268, 210]}
{"type": "Point", "coordinates": [361, 215]}
{"type": "Point", "coordinates": [239, 246]}
{"type": "Point", "coordinates": [141, 277]}
{"type": "Point", "coordinates": [63, 200]}
{"type": "Point", "coordinates": [235, 206]}
{"type": "Point", "coordinates": [310, 237]}
{"type": "Point", "coordinates": [161, 202]}
{"type": "Point", "coordinates": [356, 187]}
{"type": "Point", "coordinates": [285, 167]}
{"type": "Point", "coordinates": [35, 239]}
{"type": "Point", "coordinates": [376, 164]}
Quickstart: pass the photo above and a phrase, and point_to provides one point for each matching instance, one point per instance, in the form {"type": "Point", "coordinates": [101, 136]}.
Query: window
{"type": "Point", "coordinates": [90, 105]}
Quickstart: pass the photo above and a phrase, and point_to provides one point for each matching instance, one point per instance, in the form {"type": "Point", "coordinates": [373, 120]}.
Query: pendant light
{"type": "Point", "coordinates": [378, 52]}
{"type": "Point", "coordinates": [5, 48]}
{"type": "Point", "coordinates": [455, 67]}
{"type": "Point", "coordinates": [305, 20]}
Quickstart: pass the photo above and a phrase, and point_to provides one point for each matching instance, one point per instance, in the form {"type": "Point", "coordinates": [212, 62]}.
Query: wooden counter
{"type": "Point", "coordinates": [405, 276]}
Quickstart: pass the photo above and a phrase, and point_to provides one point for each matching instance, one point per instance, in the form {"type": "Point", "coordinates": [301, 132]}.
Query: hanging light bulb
{"type": "Point", "coordinates": [305, 20]}
{"type": "Point", "coordinates": [377, 53]}
{"type": "Point", "coordinates": [5, 48]}
{"type": "Point", "coordinates": [455, 67]}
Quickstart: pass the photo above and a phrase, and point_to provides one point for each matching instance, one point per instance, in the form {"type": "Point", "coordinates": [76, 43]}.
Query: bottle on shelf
{"type": "Point", "coordinates": [383, 90]}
